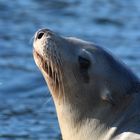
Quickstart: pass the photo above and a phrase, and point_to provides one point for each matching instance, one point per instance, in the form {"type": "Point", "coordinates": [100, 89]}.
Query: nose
{"type": "Point", "coordinates": [40, 34]}
{"type": "Point", "coordinates": [43, 32]}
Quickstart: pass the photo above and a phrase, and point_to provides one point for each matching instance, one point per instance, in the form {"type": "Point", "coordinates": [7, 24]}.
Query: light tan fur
{"type": "Point", "coordinates": [95, 95]}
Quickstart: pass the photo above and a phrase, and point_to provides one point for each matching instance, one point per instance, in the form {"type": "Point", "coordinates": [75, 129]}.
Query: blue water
{"type": "Point", "coordinates": [26, 108]}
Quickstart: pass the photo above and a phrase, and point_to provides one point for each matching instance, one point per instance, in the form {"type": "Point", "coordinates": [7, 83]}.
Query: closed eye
{"type": "Point", "coordinates": [84, 63]}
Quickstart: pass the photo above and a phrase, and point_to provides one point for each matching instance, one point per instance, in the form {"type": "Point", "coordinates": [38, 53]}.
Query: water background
{"type": "Point", "coordinates": [26, 109]}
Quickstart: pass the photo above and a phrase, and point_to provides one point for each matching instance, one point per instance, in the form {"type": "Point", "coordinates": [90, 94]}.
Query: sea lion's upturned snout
{"type": "Point", "coordinates": [61, 59]}
{"type": "Point", "coordinates": [47, 58]}
{"type": "Point", "coordinates": [92, 90]}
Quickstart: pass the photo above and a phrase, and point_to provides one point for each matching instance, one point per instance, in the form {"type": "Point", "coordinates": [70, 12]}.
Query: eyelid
{"type": "Point", "coordinates": [84, 62]}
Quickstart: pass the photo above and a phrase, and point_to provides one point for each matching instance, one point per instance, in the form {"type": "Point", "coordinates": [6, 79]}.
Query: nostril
{"type": "Point", "coordinates": [40, 34]}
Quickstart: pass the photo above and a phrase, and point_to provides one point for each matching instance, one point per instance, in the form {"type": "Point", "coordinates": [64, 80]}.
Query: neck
{"type": "Point", "coordinates": [78, 123]}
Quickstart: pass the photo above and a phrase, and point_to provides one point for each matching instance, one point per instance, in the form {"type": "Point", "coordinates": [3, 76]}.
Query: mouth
{"type": "Point", "coordinates": [44, 64]}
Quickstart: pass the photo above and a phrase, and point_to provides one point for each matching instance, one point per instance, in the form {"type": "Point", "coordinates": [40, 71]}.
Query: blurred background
{"type": "Point", "coordinates": [26, 108]}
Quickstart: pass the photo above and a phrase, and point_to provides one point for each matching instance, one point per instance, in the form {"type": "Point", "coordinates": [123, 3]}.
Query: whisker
{"type": "Point", "coordinates": [58, 73]}
{"type": "Point", "coordinates": [48, 61]}
{"type": "Point", "coordinates": [61, 81]}
{"type": "Point", "coordinates": [52, 65]}
{"type": "Point", "coordinates": [44, 104]}
{"type": "Point", "coordinates": [48, 100]}
{"type": "Point", "coordinates": [59, 84]}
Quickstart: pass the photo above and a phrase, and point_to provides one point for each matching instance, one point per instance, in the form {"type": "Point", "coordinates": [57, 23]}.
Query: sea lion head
{"type": "Point", "coordinates": [81, 72]}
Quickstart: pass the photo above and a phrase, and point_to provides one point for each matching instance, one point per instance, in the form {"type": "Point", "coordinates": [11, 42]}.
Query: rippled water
{"type": "Point", "coordinates": [26, 109]}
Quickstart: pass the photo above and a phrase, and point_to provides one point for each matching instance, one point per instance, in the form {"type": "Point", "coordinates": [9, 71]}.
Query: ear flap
{"type": "Point", "coordinates": [106, 96]}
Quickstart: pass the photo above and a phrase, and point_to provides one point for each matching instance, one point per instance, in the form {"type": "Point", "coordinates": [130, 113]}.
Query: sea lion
{"type": "Point", "coordinates": [96, 96]}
